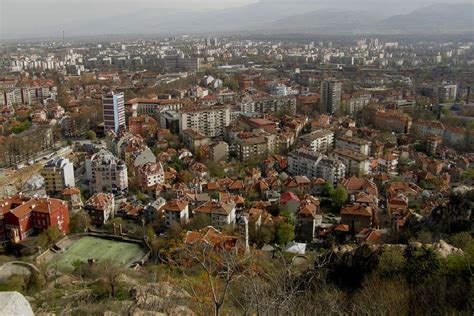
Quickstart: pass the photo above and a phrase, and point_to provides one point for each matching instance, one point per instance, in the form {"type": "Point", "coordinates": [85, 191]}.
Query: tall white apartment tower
{"type": "Point", "coordinates": [113, 107]}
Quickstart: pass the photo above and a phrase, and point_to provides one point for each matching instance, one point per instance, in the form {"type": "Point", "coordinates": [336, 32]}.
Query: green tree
{"type": "Point", "coordinates": [391, 262]}
{"type": "Point", "coordinates": [339, 196]}
{"type": "Point", "coordinates": [216, 171]}
{"type": "Point", "coordinates": [421, 264]}
{"type": "Point", "coordinates": [284, 233]}
{"type": "Point", "coordinates": [231, 83]}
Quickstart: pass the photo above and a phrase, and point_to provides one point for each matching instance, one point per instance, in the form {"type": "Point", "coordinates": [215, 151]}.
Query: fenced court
{"type": "Point", "coordinates": [88, 247]}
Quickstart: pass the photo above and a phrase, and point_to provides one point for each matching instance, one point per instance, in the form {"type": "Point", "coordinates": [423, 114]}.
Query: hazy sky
{"type": "Point", "coordinates": [25, 18]}
{"type": "Point", "coordinates": [135, 3]}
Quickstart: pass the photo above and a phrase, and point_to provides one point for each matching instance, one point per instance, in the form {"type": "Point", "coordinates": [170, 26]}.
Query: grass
{"type": "Point", "coordinates": [100, 249]}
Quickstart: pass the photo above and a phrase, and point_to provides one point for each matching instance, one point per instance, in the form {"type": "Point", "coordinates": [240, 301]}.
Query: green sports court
{"type": "Point", "coordinates": [85, 248]}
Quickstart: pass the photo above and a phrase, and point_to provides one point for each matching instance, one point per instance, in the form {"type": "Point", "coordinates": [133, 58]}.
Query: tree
{"type": "Point", "coordinates": [109, 274]}
{"type": "Point", "coordinates": [220, 269]}
{"type": "Point", "coordinates": [421, 264]}
{"type": "Point", "coordinates": [79, 222]}
{"type": "Point", "coordinates": [48, 237]}
{"type": "Point", "coordinates": [216, 171]}
{"type": "Point", "coordinates": [339, 196]}
{"type": "Point", "coordinates": [199, 221]}
{"type": "Point", "coordinates": [284, 233]}
{"type": "Point", "coordinates": [231, 83]}
{"type": "Point", "coordinates": [391, 262]}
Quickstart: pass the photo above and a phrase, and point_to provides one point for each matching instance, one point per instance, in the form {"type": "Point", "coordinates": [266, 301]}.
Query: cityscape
{"type": "Point", "coordinates": [305, 159]}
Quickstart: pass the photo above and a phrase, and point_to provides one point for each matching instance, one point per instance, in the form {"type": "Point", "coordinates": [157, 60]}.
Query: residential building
{"type": "Point", "coordinates": [330, 96]}
{"type": "Point", "coordinates": [318, 141]}
{"type": "Point", "coordinates": [106, 173]}
{"type": "Point", "coordinates": [447, 91]}
{"type": "Point", "coordinates": [100, 207]}
{"type": "Point", "coordinates": [220, 214]}
{"type": "Point", "coordinates": [356, 163]}
{"type": "Point", "coordinates": [388, 163]}
{"type": "Point", "coordinates": [210, 121]}
{"type": "Point", "coordinates": [392, 121]}
{"type": "Point", "coordinates": [354, 143]}
{"type": "Point", "coordinates": [175, 211]}
{"type": "Point", "coordinates": [24, 216]}
{"type": "Point", "coordinates": [194, 139]}
{"type": "Point", "coordinates": [251, 148]}
{"type": "Point", "coordinates": [113, 106]}
{"type": "Point", "coordinates": [73, 197]}
{"type": "Point", "coordinates": [356, 103]}
{"type": "Point", "coordinates": [58, 175]}
{"type": "Point", "coordinates": [152, 107]}
{"type": "Point", "coordinates": [143, 125]}
{"type": "Point", "coordinates": [177, 63]}
{"type": "Point", "coordinates": [315, 165]}
{"type": "Point", "coordinates": [274, 104]}
{"type": "Point", "coordinates": [150, 174]}
{"type": "Point", "coordinates": [308, 217]}
{"type": "Point", "coordinates": [219, 151]}
{"type": "Point", "coordinates": [357, 217]}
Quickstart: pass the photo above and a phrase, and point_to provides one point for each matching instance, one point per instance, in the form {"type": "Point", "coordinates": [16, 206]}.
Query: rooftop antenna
{"type": "Point", "coordinates": [63, 38]}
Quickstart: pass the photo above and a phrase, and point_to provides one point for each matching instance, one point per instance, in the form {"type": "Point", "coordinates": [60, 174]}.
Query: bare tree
{"type": "Point", "coordinates": [221, 269]}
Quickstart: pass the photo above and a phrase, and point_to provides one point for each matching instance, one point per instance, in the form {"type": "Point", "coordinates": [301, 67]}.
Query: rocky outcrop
{"type": "Point", "coordinates": [160, 297]}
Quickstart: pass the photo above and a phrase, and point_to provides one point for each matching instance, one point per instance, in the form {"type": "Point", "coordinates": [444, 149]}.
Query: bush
{"type": "Point", "coordinates": [391, 262]}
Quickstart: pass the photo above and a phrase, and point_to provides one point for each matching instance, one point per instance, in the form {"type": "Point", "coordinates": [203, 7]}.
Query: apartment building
{"type": "Point", "coordinates": [210, 121]}
{"type": "Point", "coordinates": [58, 175]}
{"type": "Point", "coordinates": [357, 164]}
{"type": "Point", "coordinates": [318, 141]}
{"type": "Point", "coordinates": [106, 173]}
{"type": "Point", "coordinates": [392, 121]}
{"type": "Point", "coordinates": [153, 107]}
{"type": "Point", "coordinates": [356, 144]}
{"type": "Point", "coordinates": [315, 165]}
{"type": "Point", "coordinates": [150, 174]}
{"type": "Point", "coordinates": [447, 91]}
{"type": "Point", "coordinates": [274, 104]}
{"type": "Point", "coordinates": [251, 148]}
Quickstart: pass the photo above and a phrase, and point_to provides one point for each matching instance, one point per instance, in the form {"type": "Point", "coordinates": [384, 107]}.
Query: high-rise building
{"type": "Point", "coordinates": [330, 96]}
{"type": "Point", "coordinates": [58, 175]}
{"type": "Point", "coordinates": [113, 106]}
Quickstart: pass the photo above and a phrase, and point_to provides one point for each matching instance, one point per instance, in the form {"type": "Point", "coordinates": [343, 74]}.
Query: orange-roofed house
{"type": "Point", "coordinates": [176, 211]}
{"type": "Point", "coordinates": [307, 218]}
{"type": "Point", "coordinates": [101, 207]}
{"type": "Point", "coordinates": [220, 214]}
{"type": "Point", "coordinates": [73, 197]}
{"type": "Point", "coordinates": [357, 217]}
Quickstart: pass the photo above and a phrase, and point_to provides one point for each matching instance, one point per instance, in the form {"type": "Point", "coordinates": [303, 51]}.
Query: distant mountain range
{"type": "Point", "coordinates": [308, 16]}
